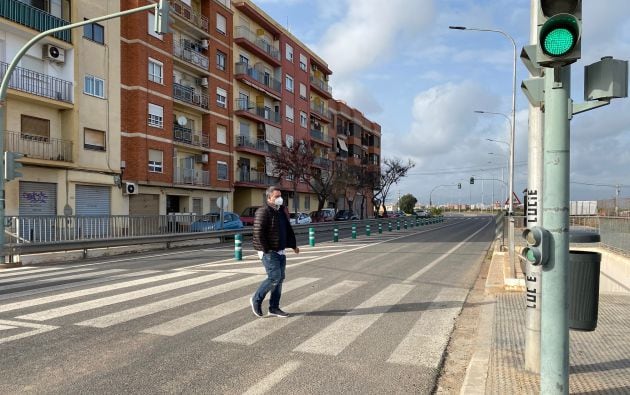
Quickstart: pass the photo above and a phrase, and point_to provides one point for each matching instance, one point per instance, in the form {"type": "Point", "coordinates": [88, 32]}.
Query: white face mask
{"type": "Point", "coordinates": [278, 202]}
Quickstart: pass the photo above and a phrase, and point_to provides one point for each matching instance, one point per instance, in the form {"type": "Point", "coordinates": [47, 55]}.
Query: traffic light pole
{"type": "Point", "coordinates": [554, 336]}
{"type": "Point", "coordinates": [161, 10]}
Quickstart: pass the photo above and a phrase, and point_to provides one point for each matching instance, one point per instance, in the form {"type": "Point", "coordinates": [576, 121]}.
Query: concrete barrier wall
{"type": "Point", "coordinates": [614, 272]}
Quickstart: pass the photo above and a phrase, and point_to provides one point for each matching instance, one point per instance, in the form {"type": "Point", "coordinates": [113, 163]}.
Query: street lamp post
{"type": "Point", "coordinates": [512, 138]}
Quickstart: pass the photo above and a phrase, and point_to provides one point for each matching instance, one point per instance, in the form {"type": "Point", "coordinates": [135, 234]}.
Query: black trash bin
{"type": "Point", "coordinates": [583, 289]}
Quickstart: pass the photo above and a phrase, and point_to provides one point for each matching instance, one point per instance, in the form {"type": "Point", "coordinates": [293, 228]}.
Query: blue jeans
{"type": "Point", "coordinates": [275, 265]}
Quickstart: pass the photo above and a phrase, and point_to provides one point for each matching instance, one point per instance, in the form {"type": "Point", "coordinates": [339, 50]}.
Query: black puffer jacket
{"type": "Point", "coordinates": [267, 229]}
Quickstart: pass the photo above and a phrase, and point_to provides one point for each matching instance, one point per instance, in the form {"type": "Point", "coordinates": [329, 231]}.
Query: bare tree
{"type": "Point", "coordinates": [294, 161]}
{"type": "Point", "coordinates": [392, 171]}
{"type": "Point", "coordinates": [321, 181]}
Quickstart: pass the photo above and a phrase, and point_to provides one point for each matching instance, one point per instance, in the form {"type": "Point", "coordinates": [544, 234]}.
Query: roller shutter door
{"type": "Point", "coordinates": [144, 204]}
{"type": "Point", "coordinates": [38, 200]}
{"type": "Point", "coordinates": [93, 201]}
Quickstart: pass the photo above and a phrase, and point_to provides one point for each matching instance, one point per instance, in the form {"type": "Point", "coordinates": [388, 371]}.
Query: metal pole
{"type": "Point", "coordinates": [533, 274]}
{"type": "Point", "coordinates": [554, 334]}
{"type": "Point", "coordinates": [4, 85]}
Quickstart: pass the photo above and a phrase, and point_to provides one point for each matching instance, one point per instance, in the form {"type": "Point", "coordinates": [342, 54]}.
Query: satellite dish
{"type": "Point", "coordinates": [181, 120]}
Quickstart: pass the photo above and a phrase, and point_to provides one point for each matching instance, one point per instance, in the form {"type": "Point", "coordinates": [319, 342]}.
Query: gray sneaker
{"type": "Point", "coordinates": [256, 308]}
{"type": "Point", "coordinates": [277, 312]}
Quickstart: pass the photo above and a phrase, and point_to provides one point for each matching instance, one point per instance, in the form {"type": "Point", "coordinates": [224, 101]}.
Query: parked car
{"type": "Point", "coordinates": [345, 215]}
{"type": "Point", "coordinates": [212, 221]}
{"type": "Point", "coordinates": [421, 214]}
{"type": "Point", "coordinates": [323, 215]}
{"type": "Point", "coordinates": [247, 216]}
{"type": "Point", "coordinates": [300, 218]}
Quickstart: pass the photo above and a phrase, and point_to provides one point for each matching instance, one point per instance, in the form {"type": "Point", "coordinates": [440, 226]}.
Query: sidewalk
{"type": "Point", "coordinates": [599, 360]}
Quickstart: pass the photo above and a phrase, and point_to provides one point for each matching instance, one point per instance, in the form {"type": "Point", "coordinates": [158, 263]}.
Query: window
{"type": "Point", "coordinates": [289, 53]}
{"type": "Point", "coordinates": [35, 128]}
{"type": "Point", "coordinates": [94, 86]}
{"type": "Point", "coordinates": [221, 24]}
{"type": "Point", "coordinates": [221, 97]}
{"type": "Point", "coordinates": [302, 91]}
{"type": "Point", "coordinates": [303, 119]}
{"type": "Point", "coordinates": [221, 134]}
{"type": "Point", "coordinates": [302, 62]}
{"type": "Point", "coordinates": [244, 128]}
{"type": "Point", "coordinates": [289, 140]}
{"type": "Point", "coordinates": [222, 170]}
{"type": "Point", "coordinates": [221, 60]}
{"type": "Point", "coordinates": [94, 139]}
{"type": "Point", "coordinates": [155, 161]}
{"type": "Point", "coordinates": [289, 112]}
{"type": "Point", "coordinates": [94, 32]}
{"type": "Point", "coordinates": [288, 81]}
{"type": "Point", "coordinates": [156, 71]}
{"type": "Point", "coordinates": [156, 116]}
{"type": "Point", "coordinates": [151, 26]}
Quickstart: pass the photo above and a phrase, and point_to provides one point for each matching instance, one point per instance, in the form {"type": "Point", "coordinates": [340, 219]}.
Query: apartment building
{"type": "Point", "coordinates": [176, 114]}
{"type": "Point", "coordinates": [63, 108]}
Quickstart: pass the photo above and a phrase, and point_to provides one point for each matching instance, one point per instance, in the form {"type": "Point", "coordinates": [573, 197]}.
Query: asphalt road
{"type": "Point", "coordinates": [371, 315]}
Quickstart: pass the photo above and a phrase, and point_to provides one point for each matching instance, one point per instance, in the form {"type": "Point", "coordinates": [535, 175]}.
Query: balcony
{"type": "Point", "coordinates": [320, 111]}
{"type": "Point", "coordinates": [249, 110]}
{"type": "Point", "coordinates": [38, 147]}
{"type": "Point", "coordinates": [321, 162]}
{"type": "Point", "coordinates": [188, 136]}
{"type": "Point", "coordinates": [321, 86]}
{"type": "Point", "coordinates": [260, 78]}
{"type": "Point", "coordinates": [256, 177]}
{"type": "Point", "coordinates": [184, 11]}
{"type": "Point", "coordinates": [34, 18]}
{"type": "Point", "coordinates": [188, 95]}
{"type": "Point", "coordinates": [245, 143]}
{"type": "Point", "coordinates": [261, 47]}
{"type": "Point", "coordinates": [189, 51]}
{"type": "Point", "coordinates": [191, 177]}
{"type": "Point", "coordinates": [39, 84]}
{"type": "Point", "coordinates": [321, 137]}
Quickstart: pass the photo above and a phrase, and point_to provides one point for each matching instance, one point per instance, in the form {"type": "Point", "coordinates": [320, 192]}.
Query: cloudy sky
{"type": "Point", "coordinates": [398, 62]}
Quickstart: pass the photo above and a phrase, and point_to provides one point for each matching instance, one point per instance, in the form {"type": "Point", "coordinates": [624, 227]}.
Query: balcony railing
{"type": "Point", "coordinates": [38, 147]}
{"type": "Point", "coordinates": [189, 95]}
{"type": "Point", "coordinates": [39, 84]}
{"type": "Point", "coordinates": [189, 136]}
{"type": "Point", "coordinates": [33, 18]}
{"type": "Point", "coordinates": [191, 177]}
{"type": "Point", "coordinates": [321, 136]}
{"type": "Point", "coordinates": [187, 51]}
{"type": "Point", "coordinates": [261, 43]}
{"type": "Point", "coordinates": [263, 112]}
{"type": "Point", "coordinates": [260, 76]}
{"type": "Point", "coordinates": [256, 177]}
{"type": "Point", "coordinates": [323, 162]}
{"type": "Point", "coordinates": [320, 109]}
{"type": "Point", "coordinates": [322, 85]}
{"type": "Point", "coordinates": [256, 144]}
{"type": "Point", "coordinates": [185, 11]}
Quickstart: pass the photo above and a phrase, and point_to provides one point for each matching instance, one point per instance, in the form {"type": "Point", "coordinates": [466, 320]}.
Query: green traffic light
{"type": "Point", "coordinates": [558, 42]}
{"type": "Point", "coordinates": [530, 256]}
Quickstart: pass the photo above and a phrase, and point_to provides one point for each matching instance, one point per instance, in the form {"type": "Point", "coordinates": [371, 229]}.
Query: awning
{"type": "Point", "coordinates": [342, 144]}
{"type": "Point", "coordinates": [273, 135]}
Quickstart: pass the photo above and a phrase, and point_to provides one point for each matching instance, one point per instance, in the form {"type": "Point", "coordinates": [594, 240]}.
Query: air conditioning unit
{"type": "Point", "coordinates": [131, 188]}
{"type": "Point", "coordinates": [204, 44]}
{"type": "Point", "coordinates": [54, 54]}
{"type": "Point", "coordinates": [203, 158]}
{"type": "Point", "coordinates": [203, 81]}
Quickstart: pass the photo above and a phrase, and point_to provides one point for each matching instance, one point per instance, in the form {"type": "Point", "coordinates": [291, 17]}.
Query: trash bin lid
{"type": "Point", "coordinates": [582, 235]}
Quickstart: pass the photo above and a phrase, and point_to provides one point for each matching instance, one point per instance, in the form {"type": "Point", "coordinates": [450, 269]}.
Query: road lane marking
{"type": "Point", "coordinates": [333, 339]}
{"type": "Point", "coordinates": [202, 317]}
{"type": "Point", "coordinates": [162, 305]}
{"type": "Point", "coordinates": [28, 283]}
{"type": "Point", "coordinates": [22, 271]}
{"type": "Point", "coordinates": [36, 275]}
{"type": "Point", "coordinates": [265, 385]}
{"type": "Point", "coordinates": [119, 298]}
{"type": "Point", "coordinates": [36, 330]}
{"type": "Point", "coordinates": [256, 330]}
{"type": "Point", "coordinates": [426, 341]}
{"type": "Point", "coordinates": [88, 291]}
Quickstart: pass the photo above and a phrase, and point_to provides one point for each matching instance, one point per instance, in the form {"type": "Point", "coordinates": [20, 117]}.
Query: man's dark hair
{"type": "Point", "coordinates": [271, 190]}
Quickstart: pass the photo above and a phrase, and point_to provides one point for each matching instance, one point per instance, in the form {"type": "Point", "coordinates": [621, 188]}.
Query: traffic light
{"type": "Point", "coordinates": [559, 32]}
{"type": "Point", "coordinates": [472, 180]}
{"type": "Point", "coordinates": [459, 185]}
{"type": "Point", "coordinates": [537, 250]}
{"type": "Point", "coordinates": [11, 165]}
{"type": "Point", "coordinates": [161, 17]}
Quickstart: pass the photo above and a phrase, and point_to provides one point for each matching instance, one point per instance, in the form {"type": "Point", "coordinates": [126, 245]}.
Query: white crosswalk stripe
{"type": "Point", "coordinates": [31, 276]}
{"type": "Point", "coordinates": [89, 291]}
{"type": "Point", "coordinates": [177, 301]}
{"type": "Point", "coordinates": [28, 282]}
{"type": "Point", "coordinates": [96, 303]}
{"type": "Point", "coordinates": [256, 330]}
{"type": "Point", "coordinates": [336, 337]}
{"type": "Point", "coordinates": [202, 317]}
{"type": "Point", "coordinates": [22, 271]}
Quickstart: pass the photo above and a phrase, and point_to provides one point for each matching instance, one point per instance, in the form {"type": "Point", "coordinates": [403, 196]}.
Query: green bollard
{"type": "Point", "coordinates": [367, 230]}
{"type": "Point", "coordinates": [336, 234]}
{"type": "Point", "coordinates": [311, 237]}
{"type": "Point", "coordinates": [380, 229]}
{"type": "Point", "coordinates": [354, 231]}
{"type": "Point", "coordinates": [389, 226]}
{"type": "Point", "coordinates": [238, 247]}
{"type": "Point", "coordinates": [411, 223]}
{"type": "Point", "coordinates": [405, 224]}
{"type": "Point", "coordinates": [397, 225]}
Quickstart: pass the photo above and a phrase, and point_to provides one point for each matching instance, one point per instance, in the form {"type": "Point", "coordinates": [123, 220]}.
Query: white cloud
{"type": "Point", "coordinates": [358, 96]}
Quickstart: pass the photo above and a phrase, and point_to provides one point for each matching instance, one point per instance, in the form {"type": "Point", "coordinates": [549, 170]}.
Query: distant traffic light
{"type": "Point", "coordinates": [459, 185]}
{"type": "Point", "coordinates": [559, 32]}
{"type": "Point", "coordinates": [11, 165]}
{"type": "Point", "coordinates": [472, 180]}
{"type": "Point", "coordinates": [537, 250]}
